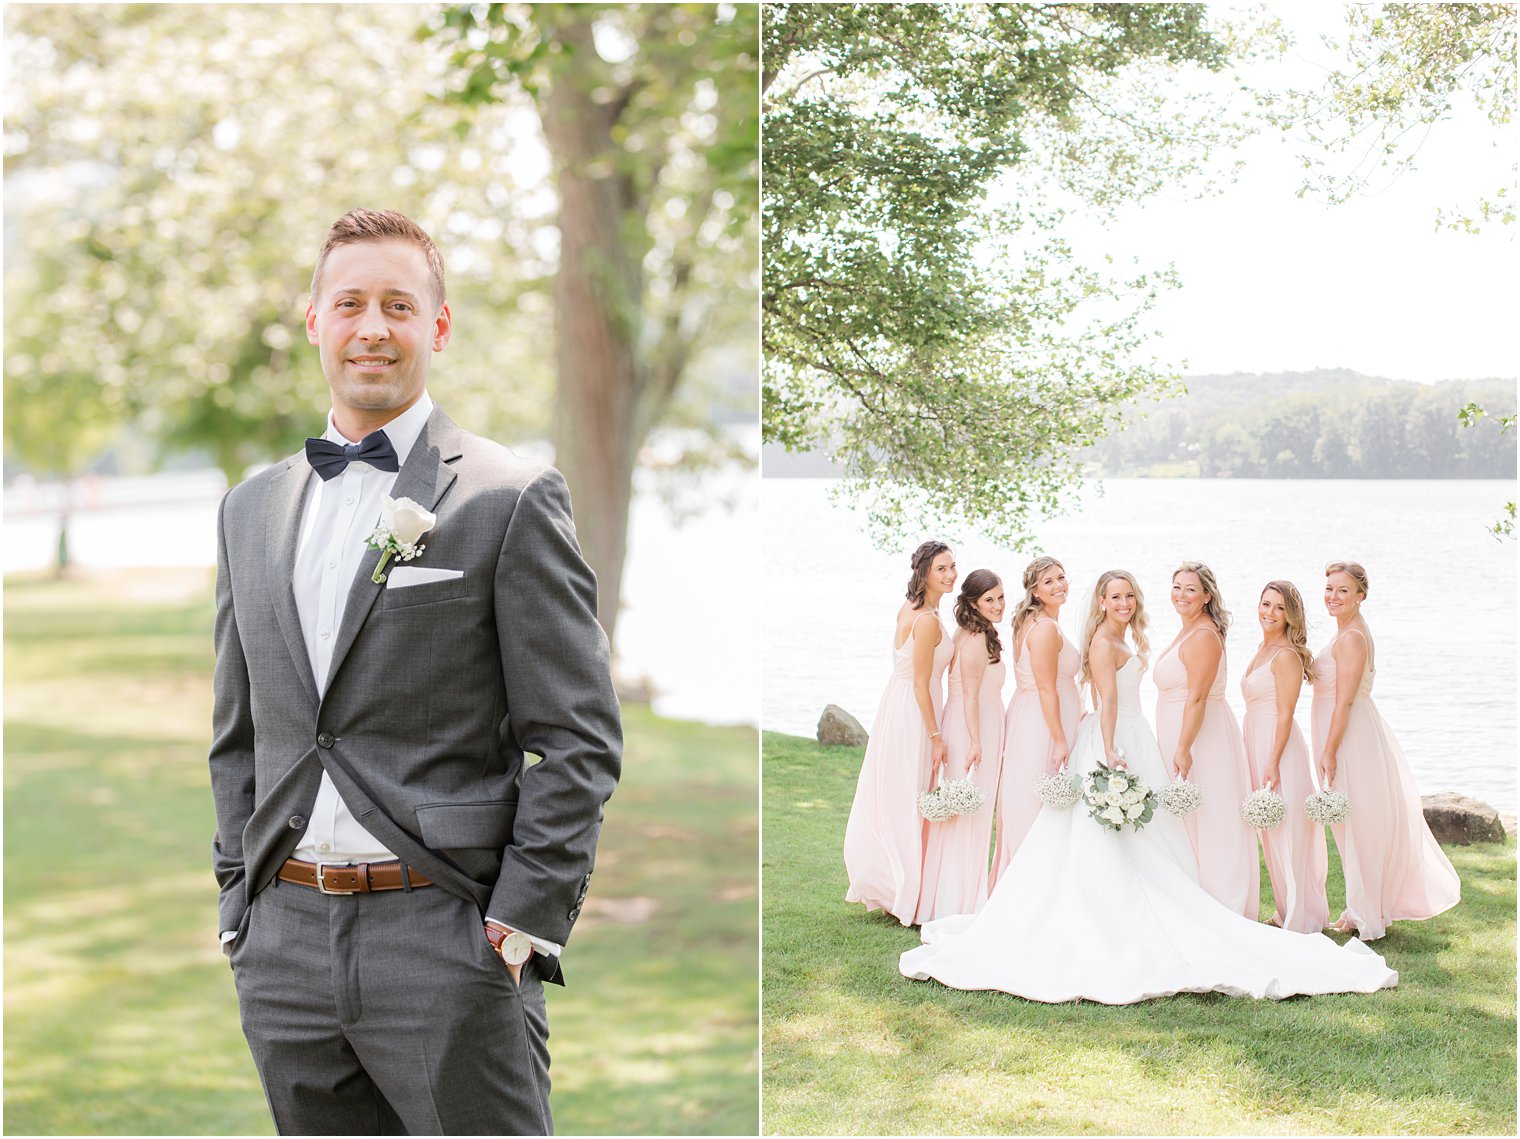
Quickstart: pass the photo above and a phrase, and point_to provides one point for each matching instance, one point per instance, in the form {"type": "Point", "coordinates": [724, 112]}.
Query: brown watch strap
{"type": "Point", "coordinates": [497, 936]}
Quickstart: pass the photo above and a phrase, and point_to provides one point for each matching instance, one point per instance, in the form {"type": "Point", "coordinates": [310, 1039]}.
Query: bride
{"type": "Point", "coordinates": [1084, 912]}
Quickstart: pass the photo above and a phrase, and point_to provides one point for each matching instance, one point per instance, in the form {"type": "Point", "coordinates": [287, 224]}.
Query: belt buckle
{"type": "Point", "coordinates": [322, 879]}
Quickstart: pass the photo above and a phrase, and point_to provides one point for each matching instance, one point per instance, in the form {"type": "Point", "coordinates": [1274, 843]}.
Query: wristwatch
{"type": "Point", "coordinates": [514, 948]}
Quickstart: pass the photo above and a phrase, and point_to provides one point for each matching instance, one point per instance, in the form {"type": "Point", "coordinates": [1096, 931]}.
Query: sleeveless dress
{"type": "Point", "coordinates": [1297, 861]}
{"type": "Point", "coordinates": [1395, 870]}
{"type": "Point", "coordinates": [1085, 913]}
{"type": "Point", "coordinates": [884, 839]}
{"type": "Point", "coordinates": [1224, 846]}
{"type": "Point", "coordinates": [955, 854]}
{"type": "Point", "coordinates": [1026, 747]}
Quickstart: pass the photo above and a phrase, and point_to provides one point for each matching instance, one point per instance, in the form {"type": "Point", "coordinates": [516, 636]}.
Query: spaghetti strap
{"type": "Point", "coordinates": [1024, 640]}
{"type": "Point", "coordinates": [1210, 626]}
{"type": "Point", "coordinates": [913, 629]}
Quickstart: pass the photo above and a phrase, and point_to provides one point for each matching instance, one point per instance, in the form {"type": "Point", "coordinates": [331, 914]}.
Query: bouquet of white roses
{"type": "Point", "coordinates": [962, 796]}
{"type": "Point", "coordinates": [1058, 791]}
{"type": "Point", "coordinates": [1117, 799]}
{"type": "Point", "coordinates": [1328, 808]}
{"type": "Point", "coordinates": [1263, 809]}
{"type": "Point", "coordinates": [1181, 797]}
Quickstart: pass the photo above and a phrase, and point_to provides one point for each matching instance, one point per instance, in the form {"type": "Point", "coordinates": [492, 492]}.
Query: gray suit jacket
{"type": "Point", "coordinates": [435, 694]}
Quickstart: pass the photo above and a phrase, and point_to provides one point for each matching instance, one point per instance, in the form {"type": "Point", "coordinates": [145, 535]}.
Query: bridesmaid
{"type": "Point", "coordinates": [1395, 870]}
{"type": "Point", "coordinates": [1043, 714]}
{"type": "Point", "coordinates": [884, 839]}
{"type": "Point", "coordinates": [1279, 758]}
{"type": "Point", "coordinates": [1193, 723]}
{"type": "Point", "coordinates": [955, 857]}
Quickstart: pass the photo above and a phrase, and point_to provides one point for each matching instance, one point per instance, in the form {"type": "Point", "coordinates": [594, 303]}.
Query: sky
{"type": "Point", "coordinates": [1273, 282]}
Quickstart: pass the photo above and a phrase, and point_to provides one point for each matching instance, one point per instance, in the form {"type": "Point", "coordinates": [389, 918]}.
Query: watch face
{"type": "Point", "coordinates": [515, 948]}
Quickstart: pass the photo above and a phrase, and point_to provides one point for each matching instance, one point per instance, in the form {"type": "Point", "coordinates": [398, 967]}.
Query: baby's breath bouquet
{"type": "Point", "coordinates": [962, 796]}
{"type": "Point", "coordinates": [1058, 791]}
{"type": "Point", "coordinates": [1263, 809]}
{"type": "Point", "coordinates": [1117, 799]}
{"type": "Point", "coordinates": [932, 805]}
{"type": "Point", "coordinates": [1328, 808]}
{"type": "Point", "coordinates": [1181, 797]}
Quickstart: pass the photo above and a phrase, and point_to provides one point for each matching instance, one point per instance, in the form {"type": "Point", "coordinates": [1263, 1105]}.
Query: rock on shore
{"type": "Point", "coordinates": [1458, 820]}
{"type": "Point", "coordinates": [837, 728]}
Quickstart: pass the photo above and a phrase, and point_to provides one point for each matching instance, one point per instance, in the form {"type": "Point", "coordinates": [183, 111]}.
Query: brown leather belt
{"type": "Point", "coordinates": [360, 878]}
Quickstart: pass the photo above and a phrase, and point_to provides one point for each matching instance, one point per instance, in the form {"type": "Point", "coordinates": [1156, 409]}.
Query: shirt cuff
{"type": "Point", "coordinates": [228, 935]}
{"type": "Point", "coordinates": [538, 943]}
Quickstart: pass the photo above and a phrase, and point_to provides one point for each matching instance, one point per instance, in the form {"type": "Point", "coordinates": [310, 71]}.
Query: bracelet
{"type": "Point", "coordinates": [932, 735]}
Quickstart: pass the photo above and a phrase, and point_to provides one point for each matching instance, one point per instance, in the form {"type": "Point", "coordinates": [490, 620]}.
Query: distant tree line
{"type": "Point", "coordinates": [1323, 424]}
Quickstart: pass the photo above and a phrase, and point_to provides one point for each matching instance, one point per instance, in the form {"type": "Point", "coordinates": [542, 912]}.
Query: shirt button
{"type": "Point", "coordinates": [325, 847]}
{"type": "Point", "coordinates": [296, 822]}
{"type": "Point", "coordinates": [326, 739]}
{"type": "Point", "coordinates": [332, 565]}
{"type": "Point", "coordinates": [349, 501]}
{"type": "Point", "coordinates": [326, 633]}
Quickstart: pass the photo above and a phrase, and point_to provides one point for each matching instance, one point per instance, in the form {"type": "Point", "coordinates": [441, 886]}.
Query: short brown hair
{"type": "Point", "coordinates": [379, 225]}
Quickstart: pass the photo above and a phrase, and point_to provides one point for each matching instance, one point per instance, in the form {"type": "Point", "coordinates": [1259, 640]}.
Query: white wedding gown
{"type": "Point", "coordinates": [1084, 912]}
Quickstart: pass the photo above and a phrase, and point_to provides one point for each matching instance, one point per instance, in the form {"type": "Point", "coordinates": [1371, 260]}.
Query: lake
{"type": "Point", "coordinates": [170, 520]}
{"type": "Point", "coordinates": [1441, 606]}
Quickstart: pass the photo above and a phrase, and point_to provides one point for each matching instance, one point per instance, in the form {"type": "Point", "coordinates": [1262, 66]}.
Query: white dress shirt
{"type": "Point", "coordinates": [339, 516]}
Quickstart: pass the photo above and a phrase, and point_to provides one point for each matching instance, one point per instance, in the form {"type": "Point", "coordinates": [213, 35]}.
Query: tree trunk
{"type": "Point", "coordinates": [598, 315]}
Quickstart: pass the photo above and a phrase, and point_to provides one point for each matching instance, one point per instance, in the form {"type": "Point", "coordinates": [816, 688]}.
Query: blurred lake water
{"type": "Point", "coordinates": [1441, 607]}
{"type": "Point", "coordinates": [706, 670]}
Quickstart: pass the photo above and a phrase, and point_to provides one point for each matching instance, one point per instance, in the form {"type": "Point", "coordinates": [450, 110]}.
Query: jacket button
{"type": "Point", "coordinates": [296, 822]}
{"type": "Point", "coordinates": [326, 739]}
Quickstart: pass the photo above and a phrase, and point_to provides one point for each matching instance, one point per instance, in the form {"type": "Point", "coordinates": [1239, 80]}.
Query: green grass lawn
{"type": "Point", "coordinates": [120, 1014]}
{"type": "Point", "coordinates": [851, 1047]}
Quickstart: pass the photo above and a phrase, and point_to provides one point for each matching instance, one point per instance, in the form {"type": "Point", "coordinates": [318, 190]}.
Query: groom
{"type": "Point", "coordinates": [398, 877]}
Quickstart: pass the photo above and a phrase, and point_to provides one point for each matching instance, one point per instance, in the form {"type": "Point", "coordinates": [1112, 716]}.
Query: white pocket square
{"type": "Point", "coordinates": [402, 576]}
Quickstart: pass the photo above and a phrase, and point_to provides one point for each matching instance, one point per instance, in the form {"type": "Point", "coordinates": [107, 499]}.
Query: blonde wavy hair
{"type": "Point", "coordinates": [1298, 624]}
{"type": "Point", "coordinates": [1029, 604]}
{"type": "Point", "coordinates": [1215, 609]}
{"type": "Point", "coordinates": [1138, 626]}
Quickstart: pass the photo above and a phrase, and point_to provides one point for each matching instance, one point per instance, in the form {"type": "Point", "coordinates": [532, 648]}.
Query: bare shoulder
{"type": "Point", "coordinates": [1105, 653]}
{"type": "Point", "coordinates": [1287, 667]}
{"type": "Point", "coordinates": [1046, 634]}
{"type": "Point", "coordinates": [1203, 644]}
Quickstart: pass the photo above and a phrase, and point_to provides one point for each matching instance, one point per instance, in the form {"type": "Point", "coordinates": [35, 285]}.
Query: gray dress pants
{"type": "Point", "coordinates": [389, 1014]}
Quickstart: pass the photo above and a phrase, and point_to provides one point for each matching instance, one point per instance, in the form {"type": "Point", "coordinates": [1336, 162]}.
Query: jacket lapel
{"type": "Point", "coordinates": [285, 531]}
{"type": "Point", "coordinates": [425, 477]}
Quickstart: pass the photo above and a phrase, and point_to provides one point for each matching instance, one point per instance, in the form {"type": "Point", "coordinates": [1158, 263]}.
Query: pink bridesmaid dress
{"type": "Point", "coordinates": [1297, 861]}
{"type": "Point", "coordinates": [1395, 869]}
{"type": "Point", "coordinates": [955, 856]}
{"type": "Point", "coordinates": [884, 839]}
{"type": "Point", "coordinates": [1224, 846]}
{"type": "Point", "coordinates": [1026, 746]}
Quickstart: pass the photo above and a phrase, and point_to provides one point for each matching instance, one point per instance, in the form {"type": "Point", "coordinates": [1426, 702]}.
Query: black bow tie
{"type": "Point", "coordinates": [331, 459]}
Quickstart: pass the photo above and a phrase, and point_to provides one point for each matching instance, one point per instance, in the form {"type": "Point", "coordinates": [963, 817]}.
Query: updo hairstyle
{"type": "Point", "coordinates": [922, 559]}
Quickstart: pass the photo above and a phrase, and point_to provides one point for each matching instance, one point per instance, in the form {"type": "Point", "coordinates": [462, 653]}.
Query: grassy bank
{"type": "Point", "coordinates": [851, 1047]}
{"type": "Point", "coordinates": [120, 1014]}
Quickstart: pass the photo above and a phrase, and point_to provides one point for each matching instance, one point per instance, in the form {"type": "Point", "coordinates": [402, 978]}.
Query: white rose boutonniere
{"type": "Point", "coordinates": [402, 522]}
